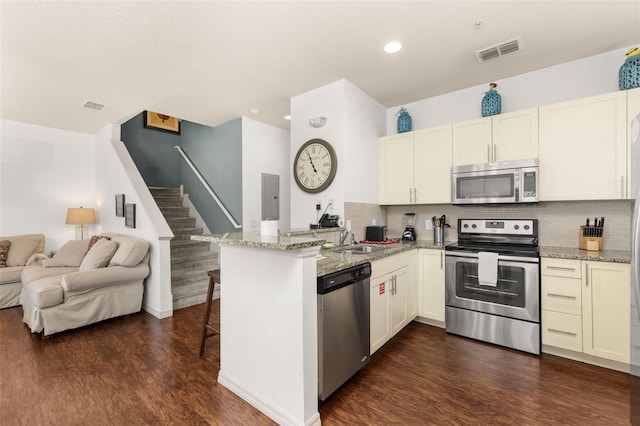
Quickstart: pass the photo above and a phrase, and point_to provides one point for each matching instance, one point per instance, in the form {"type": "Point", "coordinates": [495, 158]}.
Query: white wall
{"type": "Point", "coordinates": [354, 122]}
{"type": "Point", "coordinates": [116, 173]}
{"type": "Point", "coordinates": [572, 80]}
{"type": "Point", "coordinates": [43, 172]}
{"type": "Point", "coordinates": [364, 125]}
{"type": "Point", "coordinates": [265, 149]}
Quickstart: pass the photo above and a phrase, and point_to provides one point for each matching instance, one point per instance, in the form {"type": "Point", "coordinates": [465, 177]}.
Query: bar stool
{"type": "Point", "coordinates": [207, 328]}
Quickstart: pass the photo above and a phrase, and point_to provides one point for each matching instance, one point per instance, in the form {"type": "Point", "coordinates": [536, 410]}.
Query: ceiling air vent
{"type": "Point", "coordinates": [93, 105]}
{"type": "Point", "coordinates": [500, 49]}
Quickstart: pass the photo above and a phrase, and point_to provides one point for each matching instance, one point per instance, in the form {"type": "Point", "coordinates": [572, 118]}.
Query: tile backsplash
{"type": "Point", "coordinates": [558, 222]}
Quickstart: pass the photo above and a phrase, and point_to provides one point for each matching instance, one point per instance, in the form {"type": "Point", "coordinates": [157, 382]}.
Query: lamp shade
{"type": "Point", "coordinates": [80, 216]}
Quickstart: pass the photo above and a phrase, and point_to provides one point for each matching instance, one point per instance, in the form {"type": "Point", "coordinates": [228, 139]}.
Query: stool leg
{"type": "Point", "coordinates": [205, 321]}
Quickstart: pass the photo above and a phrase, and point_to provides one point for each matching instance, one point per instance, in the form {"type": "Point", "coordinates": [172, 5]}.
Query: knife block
{"type": "Point", "coordinates": [591, 243]}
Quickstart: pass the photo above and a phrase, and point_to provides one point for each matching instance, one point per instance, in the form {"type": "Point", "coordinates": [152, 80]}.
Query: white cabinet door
{"type": "Point", "coordinates": [582, 149]}
{"type": "Point", "coordinates": [412, 279]}
{"type": "Point", "coordinates": [515, 135]}
{"type": "Point", "coordinates": [432, 165]}
{"type": "Point", "coordinates": [395, 169]}
{"type": "Point", "coordinates": [431, 284]}
{"type": "Point", "coordinates": [472, 141]}
{"type": "Point", "coordinates": [380, 321]}
{"type": "Point", "coordinates": [399, 298]}
{"type": "Point", "coordinates": [633, 109]}
{"type": "Point", "coordinates": [606, 310]}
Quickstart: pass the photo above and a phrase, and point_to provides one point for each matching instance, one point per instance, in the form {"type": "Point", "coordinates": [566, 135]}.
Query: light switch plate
{"type": "Point", "coordinates": [373, 221]}
{"type": "Point", "coordinates": [428, 224]}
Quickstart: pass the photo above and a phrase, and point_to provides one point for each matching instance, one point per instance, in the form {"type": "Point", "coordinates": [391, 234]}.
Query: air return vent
{"type": "Point", "coordinates": [500, 49]}
{"type": "Point", "coordinates": [93, 105]}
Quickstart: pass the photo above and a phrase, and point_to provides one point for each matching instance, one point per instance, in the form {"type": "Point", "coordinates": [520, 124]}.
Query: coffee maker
{"type": "Point", "coordinates": [409, 221]}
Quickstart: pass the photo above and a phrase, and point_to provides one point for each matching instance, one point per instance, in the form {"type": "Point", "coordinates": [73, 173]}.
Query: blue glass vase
{"type": "Point", "coordinates": [629, 74]}
{"type": "Point", "coordinates": [491, 102]}
{"type": "Point", "coordinates": [404, 122]}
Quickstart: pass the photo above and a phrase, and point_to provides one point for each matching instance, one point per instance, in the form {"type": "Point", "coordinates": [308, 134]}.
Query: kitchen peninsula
{"type": "Point", "coordinates": [268, 323]}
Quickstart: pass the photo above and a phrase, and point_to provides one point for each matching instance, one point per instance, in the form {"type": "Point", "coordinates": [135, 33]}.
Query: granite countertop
{"type": "Point", "coordinates": [616, 256]}
{"type": "Point", "coordinates": [255, 239]}
{"type": "Point", "coordinates": [334, 260]}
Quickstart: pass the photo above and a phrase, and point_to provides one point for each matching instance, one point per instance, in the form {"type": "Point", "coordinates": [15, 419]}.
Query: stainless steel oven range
{"type": "Point", "coordinates": [492, 277]}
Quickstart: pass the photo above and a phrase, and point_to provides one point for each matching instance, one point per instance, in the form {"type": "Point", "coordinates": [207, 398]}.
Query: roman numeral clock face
{"type": "Point", "coordinates": [315, 166]}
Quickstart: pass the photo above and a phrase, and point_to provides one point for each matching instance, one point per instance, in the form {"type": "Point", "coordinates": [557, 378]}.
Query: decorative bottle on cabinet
{"type": "Point", "coordinates": [404, 121]}
{"type": "Point", "coordinates": [629, 74]}
{"type": "Point", "coordinates": [491, 102]}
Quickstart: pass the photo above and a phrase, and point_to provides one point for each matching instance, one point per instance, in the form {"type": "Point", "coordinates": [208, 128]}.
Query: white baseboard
{"type": "Point", "coordinates": [158, 314]}
{"type": "Point", "coordinates": [430, 321]}
{"type": "Point", "coordinates": [275, 413]}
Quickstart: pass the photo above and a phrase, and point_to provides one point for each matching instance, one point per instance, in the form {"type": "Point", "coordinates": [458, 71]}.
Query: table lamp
{"type": "Point", "coordinates": [81, 217]}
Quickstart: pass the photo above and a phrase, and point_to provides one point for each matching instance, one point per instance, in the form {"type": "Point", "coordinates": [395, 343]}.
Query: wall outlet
{"type": "Point", "coordinates": [349, 225]}
{"type": "Point", "coordinates": [373, 221]}
{"type": "Point", "coordinates": [254, 224]}
{"type": "Point", "coordinates": [330, 204]}
{"type": "Point", "coordinates": [428, 223]}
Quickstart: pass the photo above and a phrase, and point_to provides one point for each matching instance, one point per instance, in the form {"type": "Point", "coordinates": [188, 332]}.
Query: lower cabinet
{"type": "Point", "coordinates": [431, 286]}
{"type": "Point", "coordinates": [392, 296]}
{"type": "Point", "coordinates": [586, 307]}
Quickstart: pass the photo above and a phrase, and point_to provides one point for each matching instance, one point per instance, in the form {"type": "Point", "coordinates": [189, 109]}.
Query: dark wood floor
{"type": "Point", "coordinates": [141, 371]}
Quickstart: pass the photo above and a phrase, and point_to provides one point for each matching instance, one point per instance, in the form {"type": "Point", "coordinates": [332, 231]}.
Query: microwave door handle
{"type": "Point", "coordinates": [488, 154]}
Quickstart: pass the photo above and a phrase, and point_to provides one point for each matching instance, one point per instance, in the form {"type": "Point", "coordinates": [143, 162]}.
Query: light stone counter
{"type": "Point", "coordinates": [615, 256]}
{"type": "Point", "coordinates": [254, 239]}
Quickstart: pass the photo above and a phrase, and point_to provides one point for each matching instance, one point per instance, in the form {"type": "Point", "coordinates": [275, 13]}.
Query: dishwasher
{"type": "Point", "coordinates": [343, 326]}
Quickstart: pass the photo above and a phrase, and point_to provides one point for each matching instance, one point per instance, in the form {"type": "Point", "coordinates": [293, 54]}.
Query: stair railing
{"type": "Point", "coordinates": [208, 188]}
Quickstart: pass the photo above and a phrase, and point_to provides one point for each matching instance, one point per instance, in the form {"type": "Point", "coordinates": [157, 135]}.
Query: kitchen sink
{"type": "Point", "coordinates": [359, 249]}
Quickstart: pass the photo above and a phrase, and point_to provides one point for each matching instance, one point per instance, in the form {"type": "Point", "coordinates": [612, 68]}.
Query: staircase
{"type": "Point", "coordinates": [190, 260]}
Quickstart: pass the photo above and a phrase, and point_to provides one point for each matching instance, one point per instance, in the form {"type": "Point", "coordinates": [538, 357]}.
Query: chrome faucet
{"type": "Point", "coordinates": [343, 236]}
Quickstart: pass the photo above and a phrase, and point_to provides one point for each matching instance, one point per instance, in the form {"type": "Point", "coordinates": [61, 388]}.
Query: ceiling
{"type": "Point", "coordinates": [213, 61]}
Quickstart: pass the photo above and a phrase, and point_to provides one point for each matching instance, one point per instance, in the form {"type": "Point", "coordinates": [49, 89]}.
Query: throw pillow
{"type": "Point", "coordinates": [5, 245]}
{"type": "Point", "coordinates": [130, 252]}
{"type": "Point", "coordinates": [21, 249]}
{"type": "Point", "coordinates": [94, 239]}
{"type": "Point", "coordinates": [99, 255]}
{"type": "Point", "coordinates": [70, 254]}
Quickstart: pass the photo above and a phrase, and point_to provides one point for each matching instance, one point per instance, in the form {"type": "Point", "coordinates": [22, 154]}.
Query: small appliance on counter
{"type": "Point", "coordinates": [409, 221]}
{"type": "Point", "coordinates": [376, 233]}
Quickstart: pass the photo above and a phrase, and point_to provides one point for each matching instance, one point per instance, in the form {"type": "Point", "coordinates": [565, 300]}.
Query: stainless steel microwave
{"type": "Point", "coordinates": [503, 182]}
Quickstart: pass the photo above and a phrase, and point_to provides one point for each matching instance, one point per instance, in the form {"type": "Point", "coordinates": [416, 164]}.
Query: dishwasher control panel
{"type": "Point", "coordinates": [336, 280]}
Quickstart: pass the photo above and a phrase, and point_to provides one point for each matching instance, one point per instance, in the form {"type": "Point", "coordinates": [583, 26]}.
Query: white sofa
{"type": "Point", "coordinates": [24, 251]}
{"type": "Point", "coordinates": [78, 287]}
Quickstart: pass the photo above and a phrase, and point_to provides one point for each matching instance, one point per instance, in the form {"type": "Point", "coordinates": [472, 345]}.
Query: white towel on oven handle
{"type": "Point", "coordinates": [488, 269]}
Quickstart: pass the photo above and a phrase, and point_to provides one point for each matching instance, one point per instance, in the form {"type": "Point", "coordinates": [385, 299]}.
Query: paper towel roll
{"type": "Point", "coordinates": [269, 227]}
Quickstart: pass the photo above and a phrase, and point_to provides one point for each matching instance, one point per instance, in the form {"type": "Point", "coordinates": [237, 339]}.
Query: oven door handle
{"type": "Point", "coordinates": [471, 255]}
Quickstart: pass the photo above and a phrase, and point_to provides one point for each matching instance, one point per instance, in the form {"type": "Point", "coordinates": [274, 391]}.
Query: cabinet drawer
{"type": "Point", "coordinates": [562, 330]}
{"type": "Point", "coordinates": [562, 294]}
{"type": "Point", "coordinates": [561, 267]}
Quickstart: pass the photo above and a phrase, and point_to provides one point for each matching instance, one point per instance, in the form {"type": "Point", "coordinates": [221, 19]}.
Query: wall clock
{"type": "Point", "coordinates": [315, 166]}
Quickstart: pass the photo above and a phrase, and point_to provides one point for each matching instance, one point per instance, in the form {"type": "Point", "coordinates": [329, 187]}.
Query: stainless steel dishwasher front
{"type": "Point", "coordinates": [343, 326]}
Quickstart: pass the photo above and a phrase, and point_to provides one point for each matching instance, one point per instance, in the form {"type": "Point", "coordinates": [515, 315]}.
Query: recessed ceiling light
{"type": "Point", "coordinates": [393, 47]}
{"type": "Point", "coordinates": [287, 117]}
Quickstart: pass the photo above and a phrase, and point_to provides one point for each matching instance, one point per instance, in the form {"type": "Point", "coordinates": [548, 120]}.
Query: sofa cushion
{"type": "Point", "coordinates": [94, 239]}
{"type": "Point", "coordinates": [70, 254]}
{"type": "Point", "coordinates": [99, 255]}
{"type": "Point", "coordinates": [130, 251]}
{"type": "Point", "coordinates": [45, 292]}
{"type": "Point", "coordinates": [5, 245]}
{"type": "Point", "coordinates": [22, 247]}
{"type": "Point", "coordinates": [11, 274]}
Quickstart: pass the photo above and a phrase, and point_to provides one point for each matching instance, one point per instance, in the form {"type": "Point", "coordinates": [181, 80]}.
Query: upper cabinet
{"type": "Point", "coordinates": [511, 136]}
{"type": "Point", "coordinates": [583, 148]}
{"type": "Point", "coordinates": [415, 167]}
{"type": "Point", "coordinates": [633, 109]}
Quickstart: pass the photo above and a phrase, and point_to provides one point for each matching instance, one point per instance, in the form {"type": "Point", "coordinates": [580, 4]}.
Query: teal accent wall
{"type": "Point", "coordinates": [153, 152]}
{"type": "Point", "coordinates": [216, 152]}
